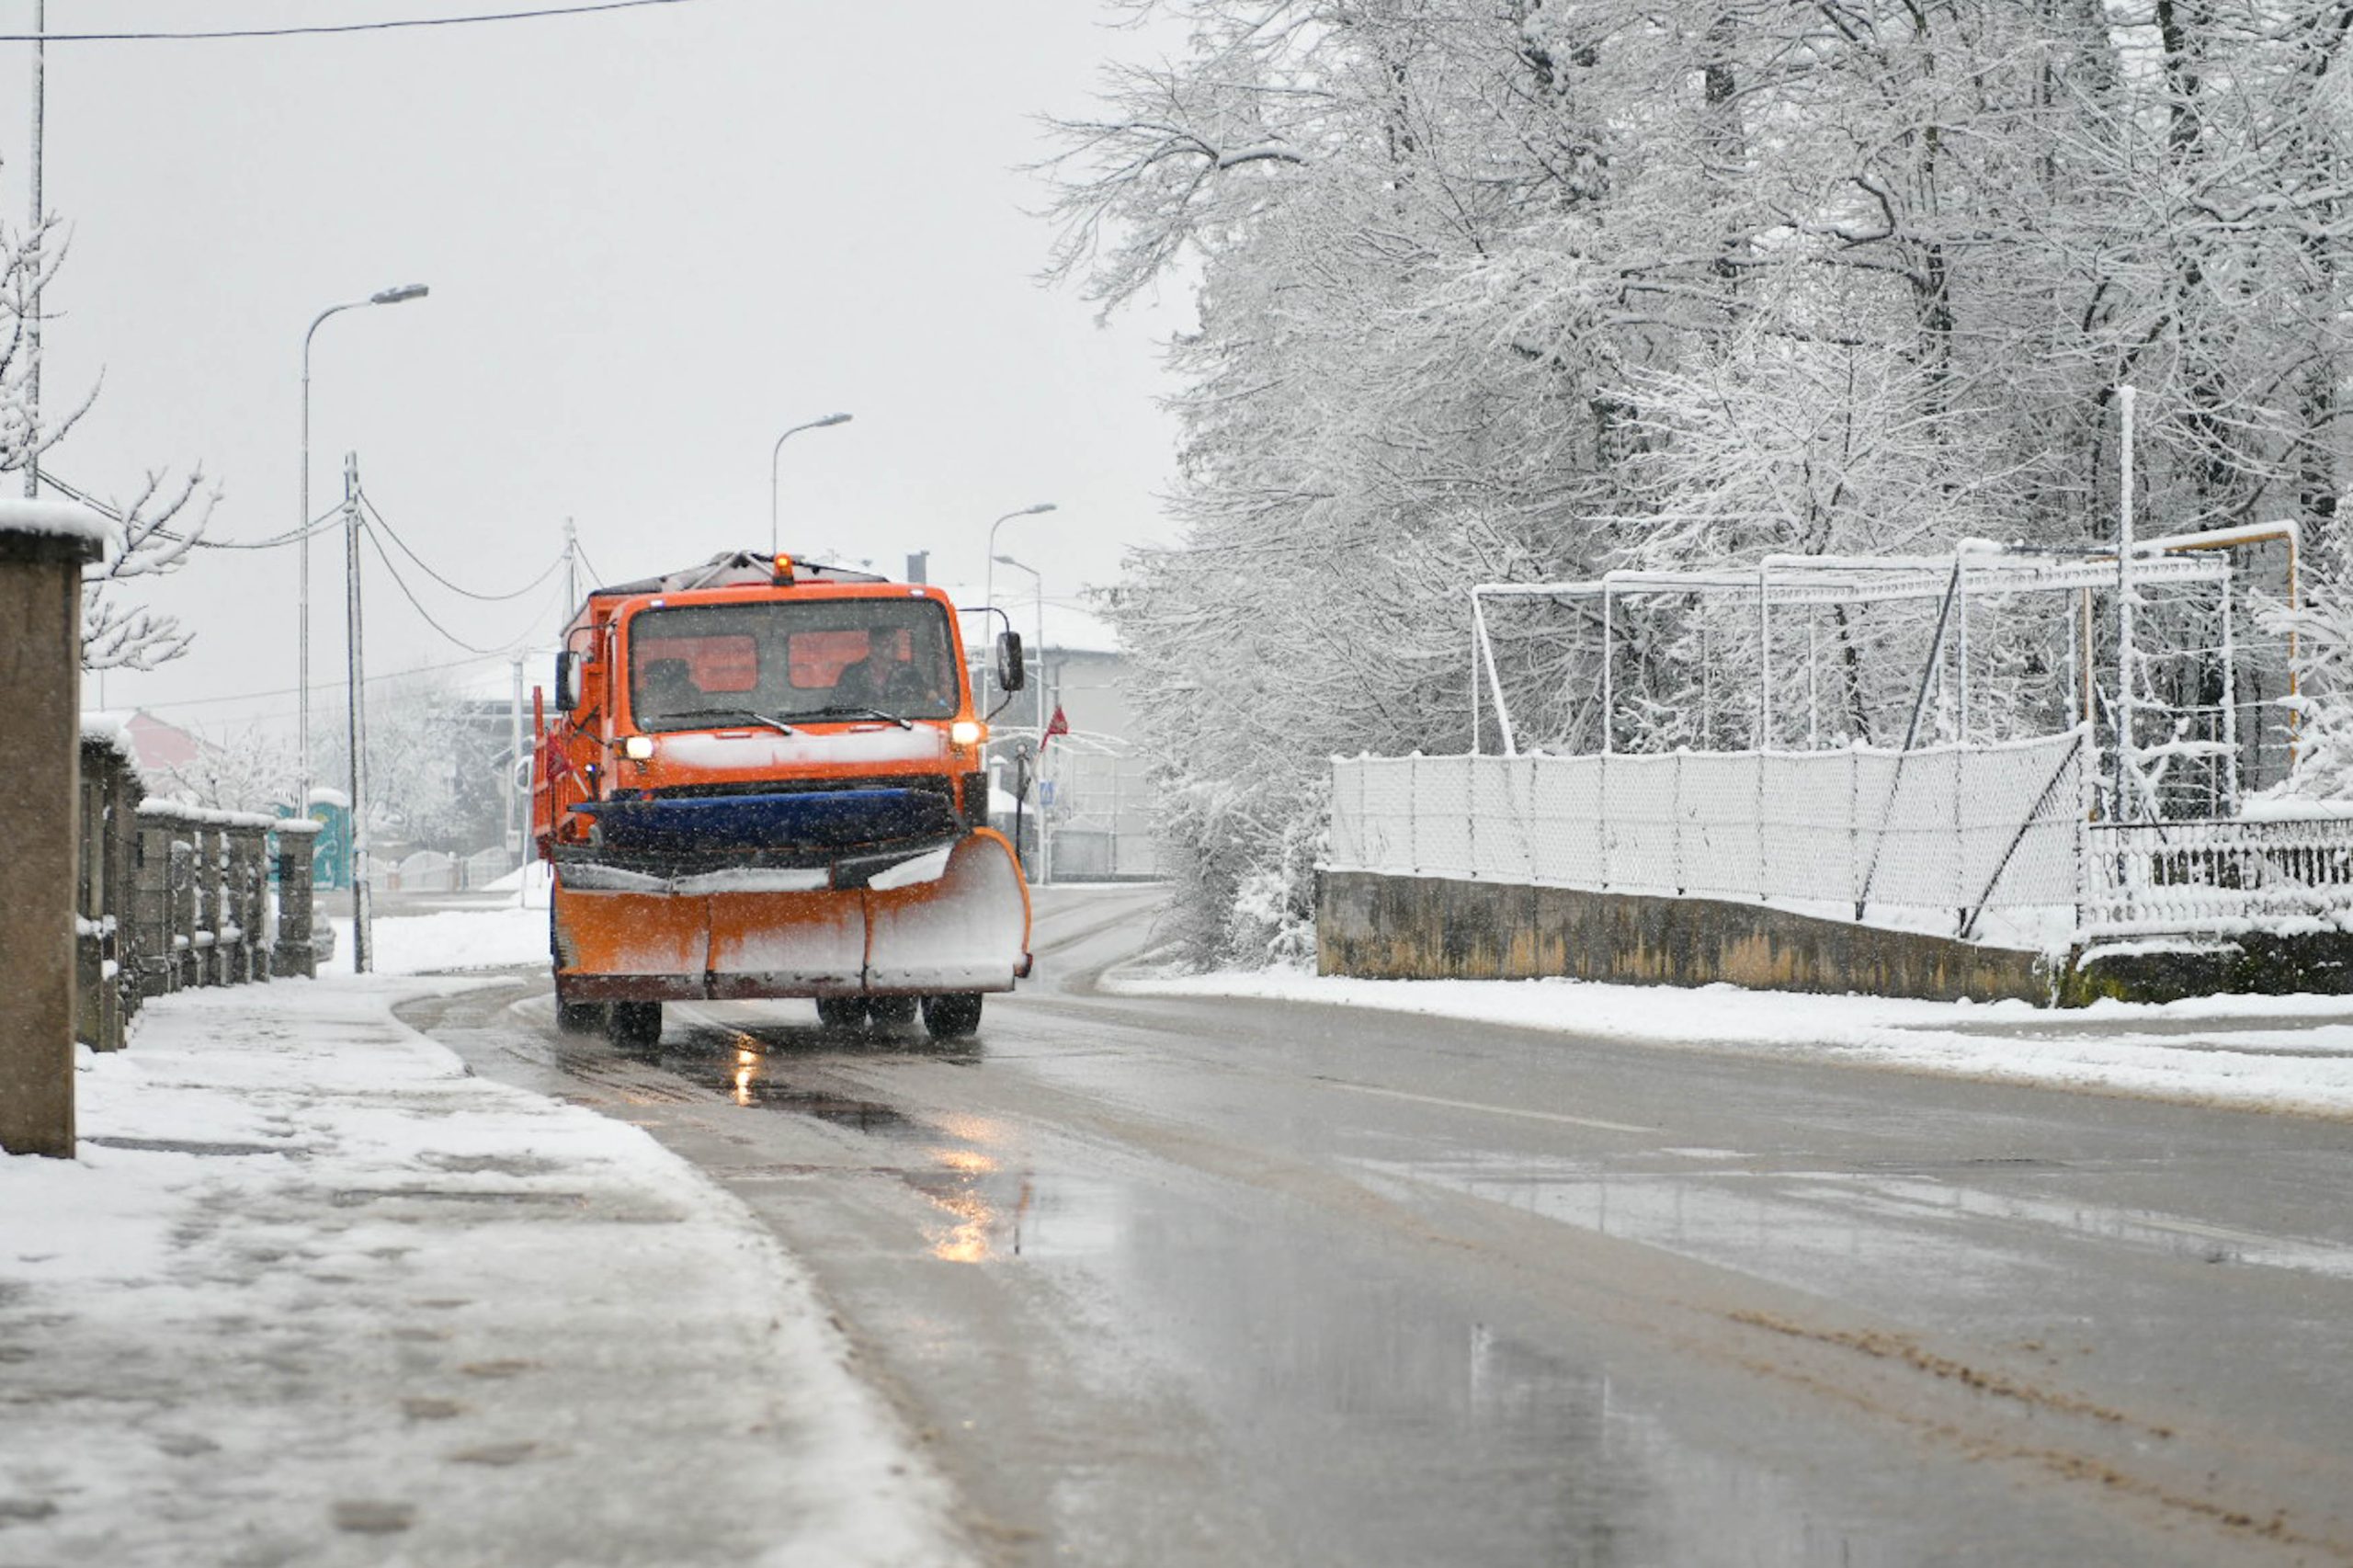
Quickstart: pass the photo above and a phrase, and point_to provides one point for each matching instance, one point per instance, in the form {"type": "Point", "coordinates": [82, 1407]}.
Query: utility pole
{"type": "Point", "coordinates": [32, 230]}
{"type": "Point", "coordinates": [356, 715]}
{"type": "Point", "coordinates": [2128, 763]}
{"type": "Point", "coordinates": [514, 840]}
{"type": "Point", "coordinates": [571, 569]}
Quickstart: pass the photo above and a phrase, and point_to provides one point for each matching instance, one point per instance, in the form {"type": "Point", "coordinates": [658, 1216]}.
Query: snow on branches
{"type": "Point", "coordinates": [147, 538]}
{"type": "Point", "coordinates": [1527, 290]}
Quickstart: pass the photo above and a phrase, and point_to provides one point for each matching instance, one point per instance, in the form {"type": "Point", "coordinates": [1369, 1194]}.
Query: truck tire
{"type": "Point", "coordinates": [636, 1026]}
{"type": "Point", "coordinates": [891, 1012]}
{"type": "Point", "coordinates": [579, 1017]}
{"type": "Point", "coordinates": [954, 1015]}
{"type": "Point", "coordinates": [842, 1012]}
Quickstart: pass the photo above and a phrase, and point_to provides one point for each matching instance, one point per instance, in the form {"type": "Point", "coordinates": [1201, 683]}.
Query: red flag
{"type": "Point", "coordinates": [1057, 725]}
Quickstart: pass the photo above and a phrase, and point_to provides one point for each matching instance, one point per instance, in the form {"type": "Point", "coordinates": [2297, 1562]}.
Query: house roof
{"type": "Point", "coordinates": [156, 745]}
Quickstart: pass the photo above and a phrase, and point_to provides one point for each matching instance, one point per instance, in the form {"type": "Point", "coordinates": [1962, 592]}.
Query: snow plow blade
{"type": "Point", "coordinates": [953, 920]}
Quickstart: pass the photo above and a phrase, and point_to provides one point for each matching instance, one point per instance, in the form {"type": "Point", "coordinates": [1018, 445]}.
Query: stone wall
{"type": "Point", "coordinates": [1431, 927]}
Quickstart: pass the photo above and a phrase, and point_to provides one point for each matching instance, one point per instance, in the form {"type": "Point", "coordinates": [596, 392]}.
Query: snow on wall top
{"type": "Point", "coordinates": [64, 520]}
{"type": "Point", "coordinates": [205, 816]}
{"type": "Point", "coordinates": [107, 730]}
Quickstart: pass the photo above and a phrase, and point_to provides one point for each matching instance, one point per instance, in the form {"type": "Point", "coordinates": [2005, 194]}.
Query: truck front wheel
{"type": "Point", "coordinates": [579, 1017]}
{"type": "Point", "coordinates": [891, 1012]}
{"type": "Point", "coordinates": [842, 1012]}
{"type": "Point", "coordinates": [952, 1017]}
{"type": "Point", "coordinates": [636, 1026]}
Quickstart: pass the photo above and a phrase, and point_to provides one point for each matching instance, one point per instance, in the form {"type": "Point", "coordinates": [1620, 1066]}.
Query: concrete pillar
{"type": "Point", "coordinates": [43, 548]}
{"type": "Point", "coordinates": [122, 874]}
{"type": "Point", "coordinates": [90, 900]}
{"type": "Point", "coordinates": [250, 847]}
{"type": "Point", "coordinates": [151, 904]}
{"type": "Point", "coordinates": [185, 956]}
{"type": "Point", "coordinates": [296, 837]}
{"type": "Point", "coordinates": [211, 881]}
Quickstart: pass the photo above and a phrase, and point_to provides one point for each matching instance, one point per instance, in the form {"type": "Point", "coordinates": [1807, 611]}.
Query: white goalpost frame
{"type": "Point", "coordinates": [1974, 569]}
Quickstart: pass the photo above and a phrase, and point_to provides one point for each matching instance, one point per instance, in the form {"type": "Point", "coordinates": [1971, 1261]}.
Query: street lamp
{"type": "Point", "coordinates": [1037, 599]}
{"type": "Point", "coordinates": [395, 296]}
{"type": "Point", "coordinates": [988, 584]}
{"type": "Point", "coordinates": [778, 451]}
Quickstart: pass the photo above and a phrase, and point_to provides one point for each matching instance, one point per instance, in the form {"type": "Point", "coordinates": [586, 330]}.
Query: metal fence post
{"type": "Point", "coordinates": [43, 548]}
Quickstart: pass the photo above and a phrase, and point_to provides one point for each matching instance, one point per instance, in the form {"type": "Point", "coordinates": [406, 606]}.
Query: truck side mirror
{"type": "Point", "coordinates": [567, 688]}
{"type": "Point", "coordinates": [1011, 674]}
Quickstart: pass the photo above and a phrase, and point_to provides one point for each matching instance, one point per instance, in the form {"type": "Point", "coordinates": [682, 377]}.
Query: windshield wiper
{"type": "Point", "coordinates": [855, 710]}
{"type": "Point", "coordinates": [776, 724]}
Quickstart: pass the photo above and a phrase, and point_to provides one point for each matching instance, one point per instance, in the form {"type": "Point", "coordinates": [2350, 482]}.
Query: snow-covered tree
{"type": "Point", "coordinates": [1529, 289]}
{"type": "Point", "coordinates": [148, 536]}
{"type": "Point", "coordinates": [246, 770]}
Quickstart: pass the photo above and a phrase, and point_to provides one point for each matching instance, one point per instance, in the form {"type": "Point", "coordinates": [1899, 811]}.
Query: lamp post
{"type": "Point", "coordinates": [1038, 602]}
{"type": "Point", "coordinates": [988, 584]}
{"type": "Point", "coordinates": [778, 451]}
{"type": "Point", "coordinates": [396, 296]}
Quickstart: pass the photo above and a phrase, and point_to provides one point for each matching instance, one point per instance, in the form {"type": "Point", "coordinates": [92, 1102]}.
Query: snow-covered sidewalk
{"type": "Point", "coordinates": [2285, 1053]}
{"type": "Point", "coordinates": [313, 1294]}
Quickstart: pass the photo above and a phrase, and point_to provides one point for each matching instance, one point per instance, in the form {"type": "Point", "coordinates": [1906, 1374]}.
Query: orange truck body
{"type": "Point", "coordinates": [731, 814]}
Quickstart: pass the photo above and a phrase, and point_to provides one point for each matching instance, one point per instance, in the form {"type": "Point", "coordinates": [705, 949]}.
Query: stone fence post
{"type": "Point", "coordinates": [297, 838]}
{"type": "Point", "coordinates": [43, 548]}
{"type": "Point", "coordinates": [248, 837]}
{"type": "Point", "coordinates": [106, 924]}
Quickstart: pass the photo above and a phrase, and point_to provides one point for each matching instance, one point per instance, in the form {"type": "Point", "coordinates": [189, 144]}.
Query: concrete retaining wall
{"type": "Point", "coordinates": [1430, 928]}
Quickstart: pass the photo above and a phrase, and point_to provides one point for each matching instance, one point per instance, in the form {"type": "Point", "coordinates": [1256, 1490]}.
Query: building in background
{"type": "Point", "coordinates": [1089, 784]}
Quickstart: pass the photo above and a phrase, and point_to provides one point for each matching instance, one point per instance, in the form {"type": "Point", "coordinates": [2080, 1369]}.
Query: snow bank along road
{"type": "Point", "coordinates": [1206, 1280]}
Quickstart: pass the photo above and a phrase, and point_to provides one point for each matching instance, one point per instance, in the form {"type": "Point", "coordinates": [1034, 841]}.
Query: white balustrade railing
{"type": "Point", "coordinates": [2221, 877]}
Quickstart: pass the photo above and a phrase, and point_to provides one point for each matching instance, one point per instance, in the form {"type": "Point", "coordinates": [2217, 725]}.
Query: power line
{"type": "Point", "coordinates": [393, 535]}
{"type": "Point", "coordinates": [317, 686]}
{"type": "Point", "coordinates": [113, 514]}
{"type": "Point", "coordinates": [385, 556]}
{"type": "Point", "coordinates": [389, 25]}
{"type": "Point", "coordinates": [594, 577]}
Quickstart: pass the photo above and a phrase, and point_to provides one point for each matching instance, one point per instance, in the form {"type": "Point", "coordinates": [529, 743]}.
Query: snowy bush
{"type": "Point", "coordinates": [2323, 707]}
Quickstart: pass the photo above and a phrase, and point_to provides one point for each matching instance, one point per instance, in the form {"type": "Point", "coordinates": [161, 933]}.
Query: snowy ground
{"type": "Point", "coordinates": [2289, 1053]}
{"type": "Point", "coordinates": [313, 1294]}
{"type": "Point", "coordinates": [451, 940]}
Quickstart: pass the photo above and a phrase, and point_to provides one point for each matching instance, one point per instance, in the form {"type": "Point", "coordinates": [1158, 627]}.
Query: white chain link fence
{"type": "Point", "coordinates": [1942, 837]}
{"type": "Point", "coordinates": [1949, 829]}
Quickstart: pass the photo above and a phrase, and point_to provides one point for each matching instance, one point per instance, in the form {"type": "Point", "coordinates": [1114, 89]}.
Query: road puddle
{"type": "Point", "coordinates": [1899, 1228]}
{"type": "Point", "coordinates": [991, 1208]}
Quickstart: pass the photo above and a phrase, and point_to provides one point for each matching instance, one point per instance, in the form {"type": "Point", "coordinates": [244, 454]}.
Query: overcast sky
{"type": "Point", "coordinates": [654, 240]}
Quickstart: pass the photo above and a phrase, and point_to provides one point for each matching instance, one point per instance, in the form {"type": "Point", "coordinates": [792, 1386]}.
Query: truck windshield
{"type": "Point", "coordinates": [700, 667]}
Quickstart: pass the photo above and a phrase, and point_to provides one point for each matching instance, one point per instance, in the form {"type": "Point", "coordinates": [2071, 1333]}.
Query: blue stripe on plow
{"type": "Point", "coordinates": [842, 819]}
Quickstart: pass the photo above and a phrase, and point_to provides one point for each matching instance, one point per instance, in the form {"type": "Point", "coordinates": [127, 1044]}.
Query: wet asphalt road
{"type": "Point", "coordinates": [1204, 1282]}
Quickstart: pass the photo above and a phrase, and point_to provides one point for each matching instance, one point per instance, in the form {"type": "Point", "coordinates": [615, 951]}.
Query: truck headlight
{"type": "Point", "coordinates": [966, 731]}
{"type": "Point", "coordinates": [638, 748]}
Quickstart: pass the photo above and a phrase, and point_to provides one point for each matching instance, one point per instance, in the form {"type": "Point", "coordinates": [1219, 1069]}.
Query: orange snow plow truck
{"type": "Point", "coordinates": [763, 777]}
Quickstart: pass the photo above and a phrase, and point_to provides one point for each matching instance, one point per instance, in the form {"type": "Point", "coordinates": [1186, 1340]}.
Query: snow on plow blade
{"type": "Point", "coordinates": [967, 929]}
